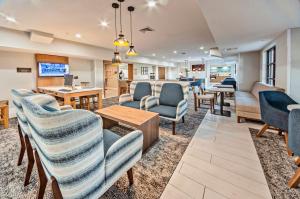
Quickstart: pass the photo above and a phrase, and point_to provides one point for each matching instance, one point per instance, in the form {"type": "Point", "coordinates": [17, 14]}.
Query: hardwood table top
{"type": "Point", "coordinates": [216, 89]}
{"type": "Point", "coordinates": [67, 90]}
{"type": "Point", "coordinates": [125, 114]}
{"type": "Point", "coordinates": [3, 102]}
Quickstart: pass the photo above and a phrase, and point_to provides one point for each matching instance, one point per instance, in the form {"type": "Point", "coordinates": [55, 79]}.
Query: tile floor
{"type": "Point", "coordinates": [220, 163]}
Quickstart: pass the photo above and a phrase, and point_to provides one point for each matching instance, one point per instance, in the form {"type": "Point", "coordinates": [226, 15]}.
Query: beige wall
{"type": "Point", "coordinates": [295, 65]}
{"type": "Point", "coordinates": [248, 70]}
{"type": "Point", "coordinates": [281, 43]}
{"type": "Point", "coordinates": [82, 68]}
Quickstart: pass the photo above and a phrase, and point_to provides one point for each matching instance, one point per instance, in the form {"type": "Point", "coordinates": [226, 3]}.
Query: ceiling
{"type": "Point", "coordinates": [179, 25]}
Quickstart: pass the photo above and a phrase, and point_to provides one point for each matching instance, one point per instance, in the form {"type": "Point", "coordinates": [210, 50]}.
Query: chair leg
{"type": "Point", "coordinates": [262, 130]}
{"type": "Point", "coordinates": [23, 147]}
{"type": "Point", "coordinates": [55, 189]}
{"type": "Point", "coordinates": [182, 119]}
{"type": "Point", "coordinates": [290, 152]}
{"type": "Point", "coordinates": [295, 180]}
{"type": "Point", "coordinates": [195, 101]}
{"type": "Point", "coordinates": [174, 128]}
{"type": "Point", "coordinates": [130, 176]}
{"type": "Point", "coordinates": [211, 104]}
{"type": "Point", "coordinates": [42, 176]}
{"type": "Point", "coordinates": [238, 119]}
{"type": "Point", "coordinates": [30, 160]}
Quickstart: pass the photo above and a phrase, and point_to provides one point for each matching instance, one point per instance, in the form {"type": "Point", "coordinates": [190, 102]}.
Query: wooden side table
{"type": "Point", "coordinates": [4, 113]}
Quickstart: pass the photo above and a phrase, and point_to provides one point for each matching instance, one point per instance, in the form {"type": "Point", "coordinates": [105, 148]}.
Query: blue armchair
{"type": "Point", "coordinates": [73, 151]}
{"type": "Point", "coordinates": [274, 112]}
{"type": "Point", "coordinates": [294, 143]}
{"type": "Point", "coordinates": [170, 102]}
{"type": "Point", "coordinates": [139, 91]}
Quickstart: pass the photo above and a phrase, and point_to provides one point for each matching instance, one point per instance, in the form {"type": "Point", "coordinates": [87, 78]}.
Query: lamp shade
{"type": "Point", "coordinates": [116, 60]}
{"type": "Point", "coordinates": [121, 41]}
{"type": "Point", "coordinates": [131, 52]}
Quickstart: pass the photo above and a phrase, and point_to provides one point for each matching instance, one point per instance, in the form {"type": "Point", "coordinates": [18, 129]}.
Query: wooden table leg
{"type": "Point", "coordinates": [151, 132]}
{"type": "Point", "coordinates": [67, 101]}
{"type": "Point", "coordinates": [5, 116]}
{"type": "Point", "coordinates": [99, 96]}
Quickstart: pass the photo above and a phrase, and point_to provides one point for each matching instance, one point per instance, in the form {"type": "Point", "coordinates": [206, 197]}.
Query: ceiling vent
{"type": "Point", "coordinates": [147, 29]}
{"type": "Point", "coordinates": [215, 52]}
{"type": "Point", "coordinates": [230, 49]}
{"type": "Point", "coordinates": [41, 37]}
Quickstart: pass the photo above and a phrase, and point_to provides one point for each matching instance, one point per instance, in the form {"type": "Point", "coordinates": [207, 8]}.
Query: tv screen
{"type": "Point", "coordinates": [53, 70]}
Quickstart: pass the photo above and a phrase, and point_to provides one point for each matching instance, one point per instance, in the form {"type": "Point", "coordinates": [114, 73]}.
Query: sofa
{"type": "Point", "coordinates": [74, 152]}
{"type": "Point", "coordinates": [247, 102]}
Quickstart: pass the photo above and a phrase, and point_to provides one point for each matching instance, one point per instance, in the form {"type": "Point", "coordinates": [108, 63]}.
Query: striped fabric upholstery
{"type": "Point", "coordinates": [71, 147]}
{"type": "Point", "coordinates": [18, 95]}
{"type": "Point", "coordinates": [122, 156]}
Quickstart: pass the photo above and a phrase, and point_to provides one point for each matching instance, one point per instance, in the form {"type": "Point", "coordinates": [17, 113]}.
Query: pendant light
{"type": "Point", "coordinates": [131, 51]}
{"type": "Point", "coordinates": [121, 40]}
{"type": "Point", "coordinates": [116, 60]}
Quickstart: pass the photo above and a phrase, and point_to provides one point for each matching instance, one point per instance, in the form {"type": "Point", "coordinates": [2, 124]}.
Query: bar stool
{"type": "Point", "coordinates": [201, 97]}
{"type": "Point", "coordinates": [4, 116]}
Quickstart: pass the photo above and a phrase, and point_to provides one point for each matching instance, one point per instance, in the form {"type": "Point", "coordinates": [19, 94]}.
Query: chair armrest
{"type": "Point", "coordinates": [66, 107]}
{"type": "Point", "coordinates": [123, 155]}
{"type": "Point", "coordinates": [181, 109]}
{"type": "Point", "coordinates": [143, 101]}
{"type": "Point", "coordinates": [151, 102]}
{"type": "Point", "coordinates": [125, 98]}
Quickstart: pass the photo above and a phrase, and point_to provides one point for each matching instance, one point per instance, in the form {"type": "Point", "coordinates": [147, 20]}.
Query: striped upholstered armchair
{"type": "Point", "coordinates": [27, 143]}
{"type": "Point", "coordinates": [73, 151]}
{"type": "Point", "coordinates": [170, 102]}
{"type": "Point", "coordinates": [139, 91]}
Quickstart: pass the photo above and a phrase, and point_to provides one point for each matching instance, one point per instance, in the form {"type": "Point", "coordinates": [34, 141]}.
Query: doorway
{"type": "Point", "coordinates": [161, 73]}
{"type": "Point", "coordinates": [111, 80]}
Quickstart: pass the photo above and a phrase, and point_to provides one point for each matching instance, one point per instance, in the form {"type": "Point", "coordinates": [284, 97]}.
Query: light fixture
{"type": "Point", "coordinates": [175, 52]}
{"type": "Point", "coordinates": [153, 54]}
{"type": "Point", "coordinates": [10, 19]}
{"type": "Point", "coordinates": [116, 60]}
{"type": "Point", "coordinates": [206, 52]}
{"type": "Point", "coordinates": [121, 40]}
{"type": "Point", "coordinates": [78, 35]}
{"type": "Point", "coordinates": [202, 48]}
{"type": "Point", "coordinates": [131, 51]}
{"type": "Point", "coordinates": [151, 3]}
{"type": "Point", "coordinates": [104, 24]}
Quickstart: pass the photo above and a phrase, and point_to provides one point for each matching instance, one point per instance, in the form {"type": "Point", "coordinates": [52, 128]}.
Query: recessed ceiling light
{"type": "Point", "coordinates": [175, 52]}
{"type": "Point", "coordinates": [104, 23]}
{"type": "Point", "coordinates": [153, 54]}
{"type": "Point", "coordinates": [78, 35]}
{"type": "Point", "coordinates": [202, 48]}
{"type": "Point", "coordinates": [151, 3]}
{"type": "Point", "coordinates": [205, 52]}
{"type": "Point", "coordinates": [10, 19]}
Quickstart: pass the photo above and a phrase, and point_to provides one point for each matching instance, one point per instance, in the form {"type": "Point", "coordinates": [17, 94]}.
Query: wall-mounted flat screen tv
{"type": "Point", "coordinates": [53, 70]}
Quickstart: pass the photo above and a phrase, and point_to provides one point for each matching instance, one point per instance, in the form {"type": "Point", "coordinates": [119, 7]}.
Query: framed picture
{"type": "Point", "coordinates": [198, 67]}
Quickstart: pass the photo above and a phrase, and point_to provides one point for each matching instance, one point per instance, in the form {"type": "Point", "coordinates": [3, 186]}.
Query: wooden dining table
{"type": "Point", "coordinates": [68, 93]}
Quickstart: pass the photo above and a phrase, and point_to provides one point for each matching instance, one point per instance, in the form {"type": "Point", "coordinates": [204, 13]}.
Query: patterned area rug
{"type": "Point", "coordinates": [151, 173]}
{"type": "Point", "coordinates": [277, 165]}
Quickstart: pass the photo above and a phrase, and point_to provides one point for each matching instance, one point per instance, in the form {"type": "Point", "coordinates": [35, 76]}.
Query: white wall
{"type": "Point", "coordinates": [9, 78]}
{"type": "Point", "coordinates": [248, 70]}
{"type": "Point", "coordinates": [295, 65]}
{"type": "Point", "coordinates": [82, 68]}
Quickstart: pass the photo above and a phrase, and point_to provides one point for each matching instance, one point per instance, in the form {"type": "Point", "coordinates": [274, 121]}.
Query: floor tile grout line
{"type": "Point", "coordinates": [224, 181]}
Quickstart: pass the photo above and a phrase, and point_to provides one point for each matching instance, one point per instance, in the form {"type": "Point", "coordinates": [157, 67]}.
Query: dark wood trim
{"type": "Point", "coordinates": [173, 127]}
{"type": "Point", "coordinates": [295, 180]}
{"type": "Point", "coordinates": [30, 160]}
{"type": "Point", "coordinates": [130, 176]}
{"type": "Point", "coordinates": [55, 189]}
{"type": "Point", "coordinates": [23, 147]}
{"type": "Point", "coordinates": [42, 176]}
{"type": "Point", "coordinates": [262, 130]}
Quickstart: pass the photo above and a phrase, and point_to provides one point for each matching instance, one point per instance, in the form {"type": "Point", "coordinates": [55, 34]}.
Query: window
{"type": "Point", "coordinates": [144, 71]}
{"type": "Point", "coordinates": [271, 66]}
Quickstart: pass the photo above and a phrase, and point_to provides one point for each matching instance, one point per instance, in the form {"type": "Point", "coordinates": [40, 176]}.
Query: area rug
{"type": "Point", "coordinates": [151, 173]}
{"type": "Point", "coordinates": [277, 165]}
